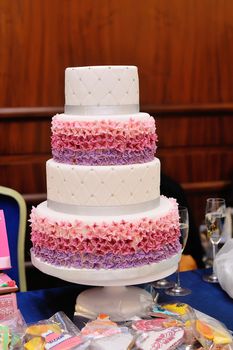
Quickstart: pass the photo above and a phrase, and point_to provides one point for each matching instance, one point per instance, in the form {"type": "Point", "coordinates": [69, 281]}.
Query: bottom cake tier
{"type": "Point", "coordinates": [117, 277]}
{"type": "Point", "coordinates": [141, 243]}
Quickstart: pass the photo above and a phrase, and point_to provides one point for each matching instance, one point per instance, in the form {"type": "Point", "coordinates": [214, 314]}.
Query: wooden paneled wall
{"type": "Point", "coordinates": [184, 52]}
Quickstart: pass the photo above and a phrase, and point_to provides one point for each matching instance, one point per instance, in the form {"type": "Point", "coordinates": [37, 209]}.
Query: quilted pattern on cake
{"type": "Point", "coordinates": [103, 185]}
{"type": "Point", "coordinates": [105, 86]}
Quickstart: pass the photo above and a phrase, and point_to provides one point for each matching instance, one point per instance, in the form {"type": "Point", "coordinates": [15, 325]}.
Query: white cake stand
{"type": "Point", "coordinates": [113, 297]}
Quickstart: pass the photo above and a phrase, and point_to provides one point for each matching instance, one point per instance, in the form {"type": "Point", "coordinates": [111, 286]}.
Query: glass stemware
{"type": "Point", "coordinates": [177, 290]}
{"type": "Point", "coordinates": [163, 284]}
{"type": "Point", "coordinates": [214, 218]}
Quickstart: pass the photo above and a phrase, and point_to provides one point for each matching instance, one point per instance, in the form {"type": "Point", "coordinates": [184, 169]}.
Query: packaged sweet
{"type": "Point", "coordinates": [101, 327]}
{"type": "Point", "coordinates": [166, 339]}
{"type": "Point", "coordinates": [155, 324]}
{"type": "Point", "coordinates": [15, 322]}
{"type": "Point", "coordinates": [182, 310]}
{"type": "Point", "coordinates": [12, 331]}
{"type": "Point", "coordinates": [184, 316]}
{"type": "Point", "coordinates": [120, 341]}
{"type": "Point", "coordinates": [211, 333]}
{"type": "Point", "coordinates": [55, 341]}
{"type": "Point", "coordinates": [9, 340]}
{"type": "Point", "coordinates": [58, 332]}
{"type": "Point", "coordinates": [8, 305]}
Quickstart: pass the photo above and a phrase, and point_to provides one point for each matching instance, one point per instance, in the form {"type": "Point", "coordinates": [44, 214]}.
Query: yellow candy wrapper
{"type": "Point", "coordinates": [35, 343]}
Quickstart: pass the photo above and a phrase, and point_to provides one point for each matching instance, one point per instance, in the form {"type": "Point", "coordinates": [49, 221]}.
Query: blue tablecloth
{"type": "Point", "coordinates": [206, 297]}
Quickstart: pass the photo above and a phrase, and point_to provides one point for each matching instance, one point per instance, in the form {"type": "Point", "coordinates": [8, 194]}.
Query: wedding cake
{"type": "Point", "coordinates": [104, 220]}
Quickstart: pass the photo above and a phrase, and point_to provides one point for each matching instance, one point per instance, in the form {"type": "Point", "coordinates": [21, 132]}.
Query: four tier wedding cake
{"type": "Point", "coordinates": [104, 219]}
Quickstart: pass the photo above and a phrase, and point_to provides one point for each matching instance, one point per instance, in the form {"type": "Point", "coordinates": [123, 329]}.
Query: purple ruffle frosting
{"type": "Point", "coordinates": [108, 261]}
{"type": "Point", "coordinates": [103, 157]}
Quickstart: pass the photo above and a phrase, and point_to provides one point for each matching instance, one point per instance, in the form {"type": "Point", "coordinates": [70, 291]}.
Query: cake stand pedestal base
{"type": "Point", "coordinates": [120, 303]}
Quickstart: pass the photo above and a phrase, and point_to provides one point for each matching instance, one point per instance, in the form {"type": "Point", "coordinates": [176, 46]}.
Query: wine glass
{"type": "Point", "coordinates": [214, 218]}
{"type": "Point", "coordinates": [163, 284]}
{"type": "Point", "coordinates": [177, 290]}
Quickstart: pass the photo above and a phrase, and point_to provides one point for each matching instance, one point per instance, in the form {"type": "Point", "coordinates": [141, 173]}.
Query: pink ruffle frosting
{"type": "Point", "coordinates": [107, 261]}
{"type": "Point", "coordinates": [122, 237]}
{"type": "Point", "coordinates": [89, 136]}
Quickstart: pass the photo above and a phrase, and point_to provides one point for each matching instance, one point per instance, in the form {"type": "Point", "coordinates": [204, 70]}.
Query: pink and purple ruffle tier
{"type": "Point", "coordinates": [103, 142]}
{"type": "Point", "coordinates": [111, 245]}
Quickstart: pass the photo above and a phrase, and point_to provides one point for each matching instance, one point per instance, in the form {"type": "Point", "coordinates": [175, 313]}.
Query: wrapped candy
{"type": "Point", "coordinates": [166, 339]}
{"type": "Point", "coordinates": [211, 333]}
{"type": "Point", "coordinates": [58, 332]}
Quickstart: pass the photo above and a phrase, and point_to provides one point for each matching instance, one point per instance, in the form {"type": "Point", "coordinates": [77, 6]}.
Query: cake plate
{"type": "Point", "coordinates": [115, 294]}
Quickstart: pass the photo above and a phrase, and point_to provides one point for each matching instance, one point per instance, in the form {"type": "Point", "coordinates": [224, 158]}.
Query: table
{"type": "Point", "coordinates": [208, 298]}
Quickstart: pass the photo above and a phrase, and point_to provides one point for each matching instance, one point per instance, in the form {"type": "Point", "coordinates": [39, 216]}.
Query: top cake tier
{"type": "Point", "coordinates": [101, 90]}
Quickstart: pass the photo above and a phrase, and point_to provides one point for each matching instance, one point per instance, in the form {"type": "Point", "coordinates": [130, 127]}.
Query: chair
{"type": "Point", "coordinates": [171, 188]}
{"type": "Point", "coordinates": [15, 212]}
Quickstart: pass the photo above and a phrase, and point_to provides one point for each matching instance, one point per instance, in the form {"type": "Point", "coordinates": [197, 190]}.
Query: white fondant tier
{"type": "Point", "coordinates": [103, 185]}
{"type": "Point", "coordinates": [102, 86]}
{"type": "Point", "coordinates": [117, 277]}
